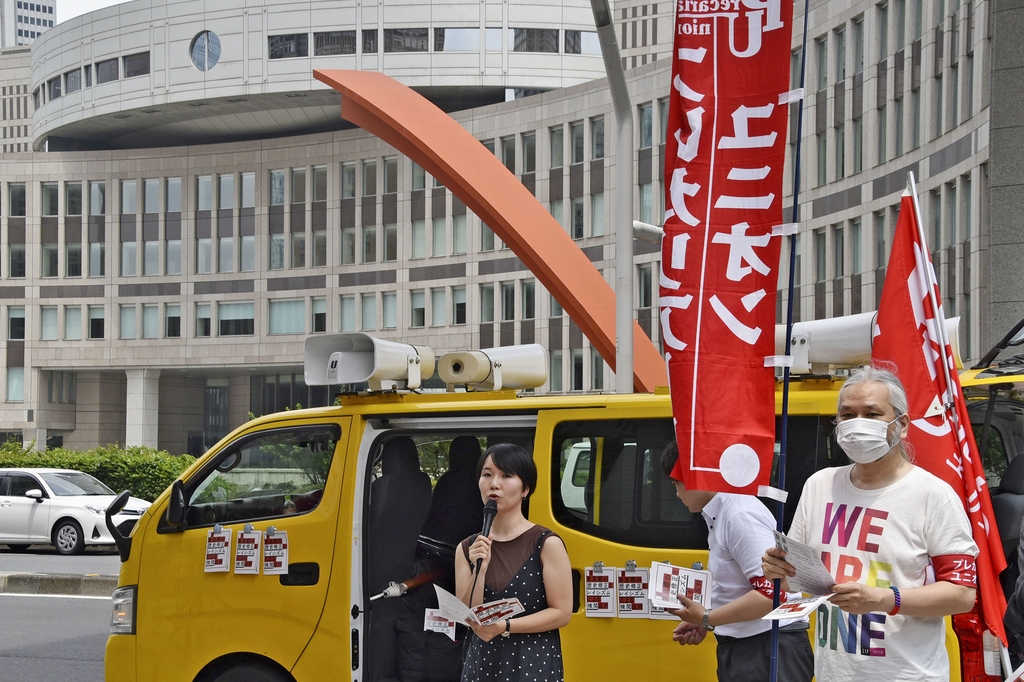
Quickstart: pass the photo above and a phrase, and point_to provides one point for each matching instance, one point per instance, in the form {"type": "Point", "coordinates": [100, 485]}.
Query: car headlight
{"type": "Point", "coordinates": [95, 509]}
{"type": "Point", "coordinates": [122, 614]}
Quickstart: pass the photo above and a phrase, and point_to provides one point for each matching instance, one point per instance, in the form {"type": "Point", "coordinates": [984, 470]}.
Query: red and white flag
{"type": "Point", "coordinates": [908, 335]}
{"type": "Point", "coordinates": [725, 153]}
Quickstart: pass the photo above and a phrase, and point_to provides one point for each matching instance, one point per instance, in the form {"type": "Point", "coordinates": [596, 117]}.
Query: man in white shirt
{"type": "Point", "coordinates": [740, 529]}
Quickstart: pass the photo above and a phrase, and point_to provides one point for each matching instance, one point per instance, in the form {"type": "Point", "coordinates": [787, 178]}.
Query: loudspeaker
{"type": "Point", "coordinates": [841, 341]}
{"type": "Point", "coordinates": [524, 366]}
{"type": "Point", "coordinates": [355, 357]}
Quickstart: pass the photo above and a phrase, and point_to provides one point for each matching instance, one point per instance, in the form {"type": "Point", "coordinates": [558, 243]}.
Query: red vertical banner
{"type": "Point", "coordinates": [907, 335]}
{"type": "Point", "coordinates": [725, 153]}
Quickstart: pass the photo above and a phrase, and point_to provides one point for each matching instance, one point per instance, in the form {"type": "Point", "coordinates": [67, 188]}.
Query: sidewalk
{"type": "Point", "coordinates": [57, 583]}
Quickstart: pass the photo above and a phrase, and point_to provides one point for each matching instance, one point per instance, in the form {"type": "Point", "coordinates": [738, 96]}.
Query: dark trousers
{"type": "Point", "coordinates": [748, 659]}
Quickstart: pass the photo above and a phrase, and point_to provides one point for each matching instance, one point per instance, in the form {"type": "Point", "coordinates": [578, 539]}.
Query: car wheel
{"type": "Point", "coordinates": [68, 537]}
{"type": "Point", "coordinates": [251, 672]}
{"type": "Point", "coordinates": [18, 547]}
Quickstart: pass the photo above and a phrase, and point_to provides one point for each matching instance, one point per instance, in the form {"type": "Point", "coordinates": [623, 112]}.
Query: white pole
{"type": "Point", "coordinates": [623, 196]}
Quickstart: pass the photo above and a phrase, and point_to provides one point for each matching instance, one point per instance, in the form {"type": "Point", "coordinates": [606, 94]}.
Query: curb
{"type": "Point", "coordinates": [58, 584]}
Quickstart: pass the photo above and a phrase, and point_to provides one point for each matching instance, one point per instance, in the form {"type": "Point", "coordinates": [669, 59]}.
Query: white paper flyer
{"type": "Point", "coordinates": [600, 592]}
{"type": "Point", "coordinates": [218, 551]}
{"type": "Point", "coordinates": [668, 582]}
{"type": "Point", "coordinates": [811, 575]}
{"type": "Point", "coordinates": [247, 552]}
{"type": "Point", "coordinates": [275, 553]}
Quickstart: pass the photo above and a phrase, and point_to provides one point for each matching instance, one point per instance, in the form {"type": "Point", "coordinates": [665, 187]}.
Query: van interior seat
{"type": "Point", "coordinates": [456, 510]}
{"type": "Point", "coordinates": [399, 501]}
{"type": "Point", "coordinates": [1008, 506]}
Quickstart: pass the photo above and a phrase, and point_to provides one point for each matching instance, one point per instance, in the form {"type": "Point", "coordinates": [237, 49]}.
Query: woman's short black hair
{"type": "Point", "coordinates": [511, 459]}
{"type": "Point", "coordinates": [669, 457]}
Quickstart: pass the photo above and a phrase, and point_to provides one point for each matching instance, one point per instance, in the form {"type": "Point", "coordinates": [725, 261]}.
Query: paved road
{"type": "Point", "coordinates": [33, 650]}
{"type": "Point", "coordinates": [42, 559]}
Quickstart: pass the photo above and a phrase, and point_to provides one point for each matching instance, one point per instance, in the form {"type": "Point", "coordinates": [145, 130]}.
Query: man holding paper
{"type": "Point", "coordinates": [740, 528]}
{"type": "Point", "coordinates": [895, 538]}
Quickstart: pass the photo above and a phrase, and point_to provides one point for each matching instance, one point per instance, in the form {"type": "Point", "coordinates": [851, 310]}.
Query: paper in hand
{"type": "Point", "coordinates": [451, 607]}
{"type": "Point", "coordinates": [811, 575]}
{"type": "Point", "coordinates": [796, 608]}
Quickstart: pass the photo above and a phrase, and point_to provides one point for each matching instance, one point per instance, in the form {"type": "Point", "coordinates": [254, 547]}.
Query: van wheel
{"type": "Point", "coordinates": [68, 538]}
{"type": "Point", "coordinates": [251, 672]}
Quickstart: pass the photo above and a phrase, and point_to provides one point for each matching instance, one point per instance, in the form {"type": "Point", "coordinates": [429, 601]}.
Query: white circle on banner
{"type": "Point", "coordinates": [739, 465]}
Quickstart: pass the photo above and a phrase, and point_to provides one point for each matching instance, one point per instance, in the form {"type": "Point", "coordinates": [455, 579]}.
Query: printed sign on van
{"type": "Point", "coordinates": [724, 172]}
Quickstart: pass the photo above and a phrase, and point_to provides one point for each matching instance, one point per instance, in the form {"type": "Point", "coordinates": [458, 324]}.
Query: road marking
{"type": "Point", "coordinates": [52, 596]}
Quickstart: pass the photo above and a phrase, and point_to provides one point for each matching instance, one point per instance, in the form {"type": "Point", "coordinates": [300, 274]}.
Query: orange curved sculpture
{"type": "Point", "coordinates": [414, 126]}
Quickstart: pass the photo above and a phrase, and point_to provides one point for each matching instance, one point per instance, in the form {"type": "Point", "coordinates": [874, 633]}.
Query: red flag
{"type": "Point", "coordinates": [908, 335]}
{"type": "Point", "coordinates": [726, 149]}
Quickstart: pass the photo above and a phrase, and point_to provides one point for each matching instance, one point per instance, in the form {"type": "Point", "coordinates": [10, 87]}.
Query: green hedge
{"type": "Point", "coordinates": [146, 472]}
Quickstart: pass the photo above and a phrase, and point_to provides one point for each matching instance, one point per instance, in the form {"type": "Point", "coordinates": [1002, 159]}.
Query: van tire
{"type": "Point", "coordinates": [68, 538]}
{"type": "Point", "coordinates": [250, 672]}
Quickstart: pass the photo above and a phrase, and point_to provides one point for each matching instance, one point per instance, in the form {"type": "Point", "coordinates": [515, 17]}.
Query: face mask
{"type": "Point", "coordinates": [864, 440]}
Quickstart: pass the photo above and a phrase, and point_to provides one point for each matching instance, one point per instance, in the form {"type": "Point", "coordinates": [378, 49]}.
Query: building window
{"type": "Point", "coordinates": [557, 135]}
{"type": "Point", "coordinates": [406, 40]}
{"type": "Point", "coordinates": [582, 42]}
{"type": "Point", "coordinates": [577, 218]}
{"type": "Point", "coordinates": [73, 198]}
{"type": "Point", "coordinates": [150, 321]}
{"type": "Point", "coordinates": [438, 238]}
{"type": "Point", "coordinates": [646, 126]}
{"type": "Point", "coordinates": [96, 322]}
{"type": "Point", "coordinates": [203, 324]}
{"type": "Point", "coordinates": [369, 178]}
{"type": "Point", "coordinates": [647, 203]}
{"type": "Point", "coordinates": [331, 43]}
{"type": "Point", "coordinates": [529, 299]}
{"type": "Point", "coordinates": [596, 370]}
{"type": "Point", "coordinates": [53, 88]}
{"type": "Point", "coordinates": [49, 261]}
{"type": "Point", "coordinates": [458, 305]}
{"type": "Point", "coordinates": [820, 262]}
{"type": "Point", "coordinates": [15, 384]}
{"type": "Point", "coordinates": [459, 234]}
{"type": "Point", "coordinates": [529, 152]}
{"type": "Point", "coordinates": [348, 313]}
{"type": "Point", "coordinates": [644, 289]}
{"type": "Point", "coordinates": [235, 319]}
{"type": "Point", "coordinates": [73, 81]}
{"type": "Point", "coordinates": [107, 71]}
{"type": "Point", "coordinates": [438, 312]}
{"type": "Point", "coordinates": [205, 50]}
{"type": "Point", "coordinates": [16, 199]}
{"type": "Point", "coordinates": [487, 303]}
{"type": "Point", "coordinates": [172, 321]}
{"type": "Point", "coordinates": [50, 192]}
{"type": "Point", "coordinates": [555, 308]}
{"type": "Point", "coordinates": [287, 46]}
{"type": "Point", "coordinates": [348, 180]}
{"type": "Point", "coordinates": [576, 142]}
{"type": "Point", "coordinates": [390, 243]}
{"type": "Point", "coordinates": [16, 323]}
{"type": "Point", "coordinates": [838, 252]}
{"type": "Point", "coordinates": [597, 138]}
{"type": "Point", "coordinates": [128, 321]}
{"type": "Point", "coordinates": [72, 323]}
{"type": "Point", "coordinates": [370, 244]}
{"type": "Point", "coordinates": [418, 308]}
{"type": "Point", "coordinates": [597, 220]}
{"type": "Point", "coordinates": [555, 375]}
{"type": "Point", "coordinates": [368, 312]}
{"type": "Point", "coordinates": [486, 238]}
{"type": "Point", "coordinates": [17, 264]}
{"type": "Point", "coordinates": [136, 64]}
{"type": "Point", "coordinates": [534, 40]}
{"type": "Point", "coordinates": [508, 301]}
{"type": "Point", "coordinates": [419, 238]}
{"type": "Point", "coordinates": [456, 40]}
{"type": "Point", "coordinates": [319, 315]}
{"type": "Point", "coordinates": [348, 245]}
{"type": "Point", "coordinates": [369, 41]}
{"type": "Point", "coordinates": [287, 317]}
{"type": "Point", "coordinates": [389, 307]}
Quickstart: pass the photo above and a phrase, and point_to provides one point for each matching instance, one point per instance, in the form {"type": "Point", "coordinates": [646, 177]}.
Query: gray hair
{"type": "Point", "coordinates": [873, 374]}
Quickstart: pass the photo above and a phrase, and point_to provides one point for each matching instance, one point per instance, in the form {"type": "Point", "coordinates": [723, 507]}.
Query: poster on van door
{"type": "Point", "coordinates": [218, 551]}
{"type": "Point", "coordinates": [600, 592]}
{"type": "Point", "coordinates": [275, 553]}
{"type": "Point", "coordinates": [725, 152]}
{"type": "Point", "coordinates": [247, 552]}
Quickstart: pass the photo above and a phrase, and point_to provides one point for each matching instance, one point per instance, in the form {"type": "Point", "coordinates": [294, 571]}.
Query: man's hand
{"type": "Point", "coordinates": [688, 633]}
{"type": "Point", "coordinates": [691, 612]}
{"type": "Point", "coordinates": [858, 598]}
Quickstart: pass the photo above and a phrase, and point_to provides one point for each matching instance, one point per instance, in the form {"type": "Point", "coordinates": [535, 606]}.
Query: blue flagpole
{"type": "Point", "coordinates": [783, 430]}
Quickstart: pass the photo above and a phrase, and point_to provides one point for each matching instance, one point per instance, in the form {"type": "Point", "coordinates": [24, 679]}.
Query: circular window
{"type": "Point", "coordinates": [205, 50]}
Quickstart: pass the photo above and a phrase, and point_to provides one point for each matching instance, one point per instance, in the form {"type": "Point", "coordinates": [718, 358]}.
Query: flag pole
{"type": "Point", "coordinates": [939, 317]}
{"type": "Point", "coordinates": [784, 419]}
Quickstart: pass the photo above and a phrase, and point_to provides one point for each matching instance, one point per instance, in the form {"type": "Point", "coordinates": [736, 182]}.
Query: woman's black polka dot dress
{"type": "Point", "coordinates": [533, 657]}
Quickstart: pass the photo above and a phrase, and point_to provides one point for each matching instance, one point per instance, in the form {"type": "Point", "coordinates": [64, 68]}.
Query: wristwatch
{"type": "Point", "coordinates": [508, 628]}
{"type": "Point", "coordinates": [706, 622]}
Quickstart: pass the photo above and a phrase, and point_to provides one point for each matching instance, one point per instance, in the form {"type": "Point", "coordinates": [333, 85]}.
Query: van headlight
{"type": "Point", "coordinates": [122, 614]}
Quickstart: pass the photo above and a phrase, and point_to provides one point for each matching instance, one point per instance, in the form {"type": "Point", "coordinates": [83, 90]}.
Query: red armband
{"type": "Point", "coordinates": [766, 587]}
{"type": "Point", "coordinates": [959, 569]}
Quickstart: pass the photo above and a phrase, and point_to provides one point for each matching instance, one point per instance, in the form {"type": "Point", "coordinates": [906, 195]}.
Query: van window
{"type": "Point", "coordinates": [275, 473]}
{"type": "Point", "coordinates": [608, 482]}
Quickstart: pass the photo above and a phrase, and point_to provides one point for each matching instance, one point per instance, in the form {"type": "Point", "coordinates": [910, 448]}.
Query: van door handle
{"type": "Point", "coordinates": [301, 574]}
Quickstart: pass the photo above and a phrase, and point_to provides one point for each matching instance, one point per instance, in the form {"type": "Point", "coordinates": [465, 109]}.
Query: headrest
{"type": "Point", "coordinates": [463, 453]}
{"type": "Point", "coordinates": [1013, 477]}
{"type": "Point", "coordinates": [400, 457]}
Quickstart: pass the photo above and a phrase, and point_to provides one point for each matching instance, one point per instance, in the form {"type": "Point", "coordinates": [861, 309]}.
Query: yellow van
{"type": "Point", "coordinates": [355, 517]}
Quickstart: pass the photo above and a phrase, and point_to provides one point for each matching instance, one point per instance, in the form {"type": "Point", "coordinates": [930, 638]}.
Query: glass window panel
{"type": "Point", "coordinates": [72, 323]}
{"type": "Point", "coordinates": [419, 239]}
{"type": "Point", "coordinates": [418, 308]}
{"type": "Point", "coordinates": [226, 192]}
{"type": "Point", "coordinates": [459, 234]}
{"type": "Point", "coordinates": [438, 313]}
{"type": "Point", "coordinates": [73, 198]}
{"type": "Point", "coordinates": [127, 322]}
{"type": "Point", "coordinates": [459, 305]}
{"type": "Point", "coordinates": [457, 40]}
{"type": "Point", "coordinates": [287, 317]}
{"type": "Point", "coordinates": [487, 303]}
{"type": "Point", "coordinates": [348, 313]}
{"type": "Point", "coordinates": [151, 195]}
{"type": "Point", "coordinates": [50, 196]}
{"type": "Point", "coordinates": [15, 384]}
{"type": "Point", "coordinates": [389, 305]}
{"type": "Point", "coordinates": [235, 319]}
{"type": "Point", "coordinates": [248, 190]}
{"type": "Point", "coordinates": [172, 321]}
{"type": "Point", "coordinates": [248, 261]}
{"type": "Point", "coordinates": [204, 193]}
{"type": "Point", "coordinates": [368, 305]}
{"type": "Point", "coordinates": [150, 321]}
{"type": "Point", "coordinates": [129, 197]}
{"type": "Point", "coordinates": [348, 180]}
{"type": "Point", "coordinates": [48, 323]}
{"type": "Point", "coordinates": [438, 239]}
{"type": "Point", "coordinates": [298, 185]}
{"type": "Point", "coordinates": [173, 195]}
{"type": "Point", "coordinates": [320, 183]}
{"type": "Point", "coordinates": [332, 43]}
{"type": "Point", "coordinates": [276, 188]}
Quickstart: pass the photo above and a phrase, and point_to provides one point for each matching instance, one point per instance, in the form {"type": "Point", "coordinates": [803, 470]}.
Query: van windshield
{"type": "Point", "coordinates": [69, 483]}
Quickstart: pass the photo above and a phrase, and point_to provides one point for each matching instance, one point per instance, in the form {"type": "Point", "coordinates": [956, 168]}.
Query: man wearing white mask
{"type": "Point", "coordinates": [895, 538]}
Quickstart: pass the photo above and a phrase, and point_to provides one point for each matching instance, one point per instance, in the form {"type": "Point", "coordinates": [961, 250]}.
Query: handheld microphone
{"type": "Point", "coordinates": [490, 511]}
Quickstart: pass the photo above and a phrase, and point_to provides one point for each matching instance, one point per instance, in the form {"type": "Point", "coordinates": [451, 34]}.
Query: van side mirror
{"type": "Point", "coordinates": [175, 514]}
{"type": "Point", "coordinates": [36, 494]}
{"type": "Point", "coordinates": [124, 544]}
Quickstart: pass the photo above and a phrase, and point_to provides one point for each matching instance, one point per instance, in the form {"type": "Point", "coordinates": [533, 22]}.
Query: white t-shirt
{"type": "Point", "coordinates": [880, 537]}
{"type": "Point", "coordinates": [740, 529]}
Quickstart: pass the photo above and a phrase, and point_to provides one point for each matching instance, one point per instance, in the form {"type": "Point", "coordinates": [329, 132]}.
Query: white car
{"type": "Point", "coordinates": [59, 506]}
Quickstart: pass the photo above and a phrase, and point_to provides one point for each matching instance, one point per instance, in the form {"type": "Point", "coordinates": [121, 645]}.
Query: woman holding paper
{"type": "Point", "coordinates": [894, 537]}
{"type": "Point", "coordinates": [520, 560]}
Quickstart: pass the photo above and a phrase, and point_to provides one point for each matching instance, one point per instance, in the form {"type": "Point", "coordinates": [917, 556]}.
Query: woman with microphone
{"type": "Point", "coordinates": [517, 559]}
